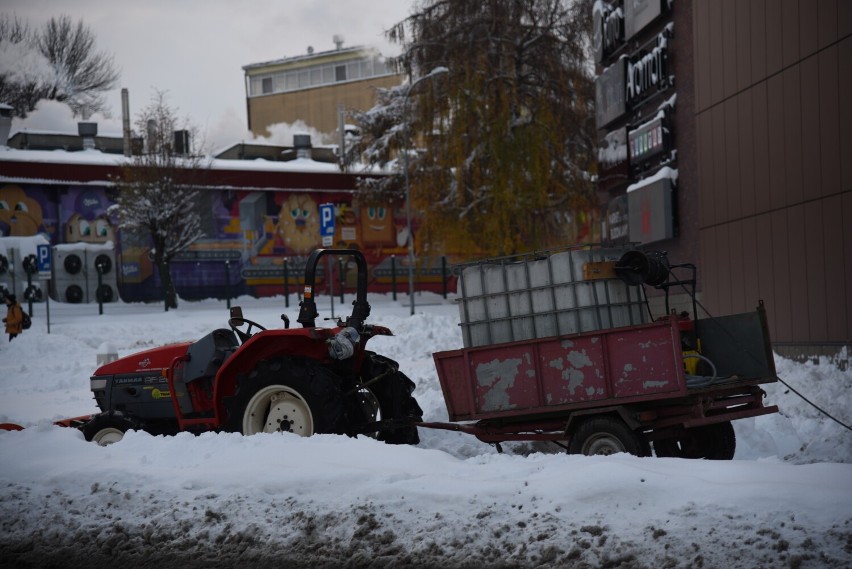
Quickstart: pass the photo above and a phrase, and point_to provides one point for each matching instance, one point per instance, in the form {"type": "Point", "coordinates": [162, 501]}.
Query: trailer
{"type": "Point", "coordinates": [579, 361]}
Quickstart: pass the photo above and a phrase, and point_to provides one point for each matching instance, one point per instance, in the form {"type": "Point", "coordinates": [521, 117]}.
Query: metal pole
{"type": "Point", "coordinates": [99, 291]}
{"type": "Point", "coordinates": [47, 305]}
{"type": "Point", "coordinates": [410, 235]}
{"type": "Point", "coordinates": [393, 276]}
{"type": "Point", "coordinates": [286, 286]}
{"type": "Point", "coordinates": [444, 275]}
{"type": "Point", "coordinates": [330, 280]}
{"type": "Point", "coordinates": [30, 289]}
{"type": "Point", "coordinates": [431, 74]}
{"type": "Point", "coordinates": [340, 278]}
{"type": "Point", "coordinates": [228, 284]}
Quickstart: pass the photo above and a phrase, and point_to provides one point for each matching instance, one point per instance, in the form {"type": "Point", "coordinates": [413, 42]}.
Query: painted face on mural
{"type": "Point", "coordinates": [298, 223]}
{"type": "Point", "coordinates": [377, 225]}
{"type": "Point", "coordinates": [20, 215]}
{"type": "Point", "coordinates": [82, 230]}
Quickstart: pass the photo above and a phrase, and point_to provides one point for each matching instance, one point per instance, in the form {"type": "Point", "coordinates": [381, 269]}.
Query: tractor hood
{"type": "Point", "coordinates": [146, 361]}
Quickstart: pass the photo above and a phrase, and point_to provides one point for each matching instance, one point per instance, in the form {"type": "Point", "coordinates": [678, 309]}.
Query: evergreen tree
{"type": "Point", "coordinates": [506, 138]}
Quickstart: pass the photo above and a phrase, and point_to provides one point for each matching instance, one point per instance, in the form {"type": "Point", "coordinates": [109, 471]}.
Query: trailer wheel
{"type": "Point", "coordinates": [393, 394]}
{"type": "Point", "coordinates": [605, 436]}
{"type": "Point", "coordinates": [108, 428]}
{"type": "Point", "coordinates": [714, 442]}
{"type": "Point", "coordinates": [286, 395]}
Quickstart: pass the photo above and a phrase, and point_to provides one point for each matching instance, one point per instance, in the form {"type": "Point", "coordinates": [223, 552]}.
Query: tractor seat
{"type": "Point", "coordinates": [207, 355]}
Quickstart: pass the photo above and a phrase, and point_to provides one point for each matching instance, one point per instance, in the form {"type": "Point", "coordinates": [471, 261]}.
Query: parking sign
{"type": "Point", "coordinates": [326, 211]}
{"type": "Point", "coordinates": [43, 260]}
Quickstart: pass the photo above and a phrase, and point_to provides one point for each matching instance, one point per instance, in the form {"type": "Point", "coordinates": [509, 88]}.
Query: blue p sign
{"type": "Point", "coordinates": [43, 258]}
{"type": "Point", "coordinates": [326, 211]}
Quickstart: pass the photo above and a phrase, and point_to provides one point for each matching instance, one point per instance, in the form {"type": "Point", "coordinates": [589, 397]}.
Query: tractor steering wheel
{"type": "Point", "coordinates": [234, 323]}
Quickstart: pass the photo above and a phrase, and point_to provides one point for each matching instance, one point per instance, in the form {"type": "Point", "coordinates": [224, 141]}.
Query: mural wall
{"type": "Point", "coordinates": [252, 237]}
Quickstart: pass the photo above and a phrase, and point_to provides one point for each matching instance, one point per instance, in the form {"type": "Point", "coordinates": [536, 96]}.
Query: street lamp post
{"type": "Point", "coordinates": [430, 75]}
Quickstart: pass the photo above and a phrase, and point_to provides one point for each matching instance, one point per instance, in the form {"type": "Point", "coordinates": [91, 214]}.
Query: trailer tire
{"type": "Point", "coordinates": [393, 393]}
{"type": "Point", "coordinates": [108, 428]}
{"type": "Point", "coordinates": [606, 435]}
{"type": "Point", "coordinates": [294, 392]}
{"type": "Point", "coordinates": [713, 442]}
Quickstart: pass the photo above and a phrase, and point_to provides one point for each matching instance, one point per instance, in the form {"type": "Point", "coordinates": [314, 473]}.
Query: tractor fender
{"type": "Point", "coordinates": [309, 343]}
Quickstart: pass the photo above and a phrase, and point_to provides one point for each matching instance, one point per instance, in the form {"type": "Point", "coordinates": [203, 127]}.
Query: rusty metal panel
{"type": "Point", "coordinates": [644, 361]}
{"type": "Point", "coordinates": [504, 378]}
{"type": "Point", "coordinates": [536, 378]}
{"type": "Point", "coordinates": [454, 383]}
{"type": "Point", "coordinates": [573, 370]}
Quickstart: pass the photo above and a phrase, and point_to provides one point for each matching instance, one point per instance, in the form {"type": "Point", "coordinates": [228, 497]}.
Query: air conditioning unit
{"type": "Point", "coordinates": [102, 260]}
{"type": "Point", "coordinates": [75, 274]}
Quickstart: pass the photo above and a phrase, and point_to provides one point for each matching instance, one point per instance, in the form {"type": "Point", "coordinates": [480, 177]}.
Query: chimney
{"type": "Point", "coordinates": [88, 131]}
{"type": "Point", "coordinates": [302, 144]}
{"type": "Point", "coordinates": [182, 143]}
{"type": "Point", "coordinates": [152, 145]}
{"type": "Point", "coordinates": [125, 120]}
{"type": "Point", "coordinates": [338, 41]}
{"type": "Point", "coordinates": [5, 123]}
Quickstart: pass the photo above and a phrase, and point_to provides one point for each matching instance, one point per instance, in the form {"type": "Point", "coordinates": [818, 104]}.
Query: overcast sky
{"type": "Point", "coordinates": [195, 49]}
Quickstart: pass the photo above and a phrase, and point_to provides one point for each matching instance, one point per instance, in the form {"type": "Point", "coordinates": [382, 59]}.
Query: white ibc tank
{"type": "Point", "coordinates": [512, 299]}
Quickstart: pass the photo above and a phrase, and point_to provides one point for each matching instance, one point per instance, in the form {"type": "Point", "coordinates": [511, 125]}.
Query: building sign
{"type": "Point", "coordinates": [613, 166]}
{"type": "Point", "coordinates": [648, 140]}
{"type": "Point", "coordinates": [650, 211]}
{"type": "Point", "coordinates": [610, 101]}
{"type": "Point", "coordinates": [608, 29]}
{"type": "Point", "coordinates": [640, 13]}
{"type": "Point", "coordinates": [632, 36]}
{"type": "Point", "coordinates": [648, 70]}
{"type": "Point", "coordinates": [617, 220]}
{"type": "Point", "coordinates": [612, 151]}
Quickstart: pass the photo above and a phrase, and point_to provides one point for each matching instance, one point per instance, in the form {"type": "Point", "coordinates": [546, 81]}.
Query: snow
{"type": "Point", "coordinates": [223, 500]}
{"type": "Point", "coordinates": [661, 174]}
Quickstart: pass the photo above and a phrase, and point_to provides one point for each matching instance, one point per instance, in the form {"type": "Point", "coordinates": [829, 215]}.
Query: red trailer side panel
{"type": "Point", "coordinates": [591, 369]}
{"type": "Point", "coordinates": [644, 361]}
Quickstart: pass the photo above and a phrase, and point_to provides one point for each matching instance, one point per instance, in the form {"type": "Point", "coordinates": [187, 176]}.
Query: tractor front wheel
{"type": "Point", "coordinates": [390, 396]}
{"type": "Point", "coordinates": [286, 395]}
{"type": "Point", "coordinates": [108, 428]}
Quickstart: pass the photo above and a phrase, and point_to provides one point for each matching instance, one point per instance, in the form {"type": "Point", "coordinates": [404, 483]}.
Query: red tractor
{"type": "Point", "coordinates": [306, 381]}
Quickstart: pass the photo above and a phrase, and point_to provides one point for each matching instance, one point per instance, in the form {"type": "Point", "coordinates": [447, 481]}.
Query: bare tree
{"type": "Point", "coordinates": [58, 61]}
{"type": "Point", "coordinates": [23, 71]}
{"type": "Point", "coordinates": [84, 73]}
{"type": "Point", "coordinates": [158, 195]}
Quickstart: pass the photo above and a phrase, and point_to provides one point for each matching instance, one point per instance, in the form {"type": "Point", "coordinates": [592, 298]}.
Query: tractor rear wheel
{"type": "Point", "coordinates": [714, 442]}
{"type": "Point", "coordinates": [606, 435]}
{"type": "Point", "coordinates": [395, 403]}
{"type": "Point", "coordinates": [108, 428]}
{"type": "Point", "coordinates": [286, 395]}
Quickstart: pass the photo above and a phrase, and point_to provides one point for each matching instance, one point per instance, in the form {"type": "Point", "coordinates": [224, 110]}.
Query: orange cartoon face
{"type": "Point", "coordinates": [80, 229]}
{"type": "Point", "coordinates": [20, 216]}
{"type": "Point", "coordinates": [377, 225]}
{"type": "Point", "coordinates": [298, 223]}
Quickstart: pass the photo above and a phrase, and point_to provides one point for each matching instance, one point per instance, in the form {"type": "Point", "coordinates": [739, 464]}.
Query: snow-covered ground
{"type": "Point", "coordinates": [223, 500]}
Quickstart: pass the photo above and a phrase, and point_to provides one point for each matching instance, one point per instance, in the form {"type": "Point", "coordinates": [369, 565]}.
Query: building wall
{"type": "Point", "coordinates": [317, 107]}
{"type": "Point", "coordinates": [773, 87]}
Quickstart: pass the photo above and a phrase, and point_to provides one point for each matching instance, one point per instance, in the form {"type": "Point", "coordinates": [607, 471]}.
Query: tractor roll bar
{"type": "Point", "coordinates": [360, 307]}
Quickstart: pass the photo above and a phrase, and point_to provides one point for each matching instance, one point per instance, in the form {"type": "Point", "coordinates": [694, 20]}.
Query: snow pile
{"type": "Point", "coordinates": [223, 500]}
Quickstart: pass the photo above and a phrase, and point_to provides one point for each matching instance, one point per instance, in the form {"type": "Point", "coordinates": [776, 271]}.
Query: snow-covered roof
{"type": "Point", "coordinates": [93, 166]}
{"type": "Point", "coordinates": [307, 56]}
